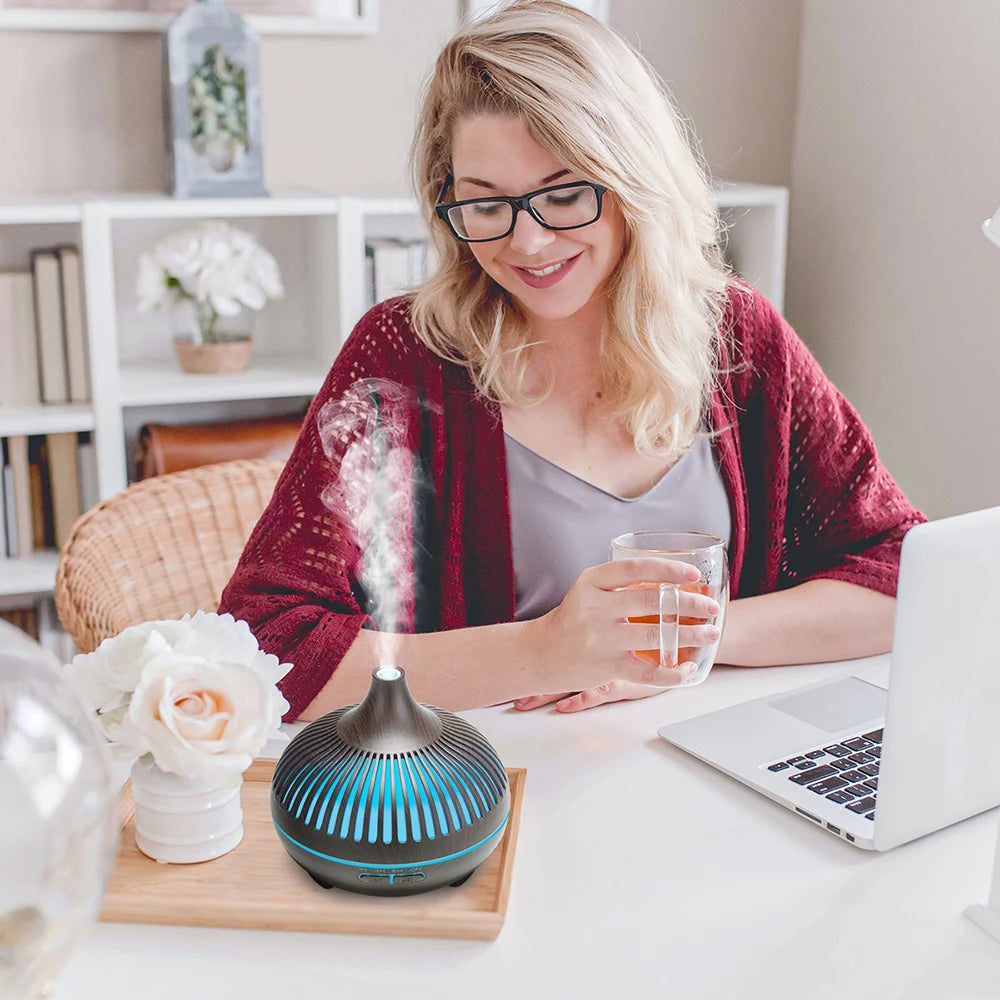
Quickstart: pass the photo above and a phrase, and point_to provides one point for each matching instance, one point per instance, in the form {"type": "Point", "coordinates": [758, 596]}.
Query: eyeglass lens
{"type": "Point", "coordinates": [567, 208]}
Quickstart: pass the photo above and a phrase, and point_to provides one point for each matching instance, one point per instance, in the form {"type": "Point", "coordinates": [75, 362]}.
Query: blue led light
{"type": "Point", "coordinates": [400, 810]}
{"type": "Point", "coordinates": [425, 805]}
{"type": "Point", "coordinates": [348, 773]}
{"type": "Point", "coordinates": [431, 785]}
{"type": "Point", "coordinates": [435, 763]}
{"type": "Point", "coordinates": [366, 789]}
{"type": "Point", "coordinates": [423, 864]}
{"type": "Point", "coordinates": [360, 776]}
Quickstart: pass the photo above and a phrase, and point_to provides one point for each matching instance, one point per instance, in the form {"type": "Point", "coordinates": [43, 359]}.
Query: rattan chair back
{"type": "Point", "coordinates": [164, 547]}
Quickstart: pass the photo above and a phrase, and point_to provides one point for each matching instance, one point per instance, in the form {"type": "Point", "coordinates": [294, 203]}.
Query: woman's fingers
{"type": "Point", "coordinates": [644, 602]}
{"type": "Point", "coordinates": [642, 635]}
{"type": "Point", "coordinates": [605, 693]}
{"type": "Point", "coordinates": [538, 700]}
{"type": "Point", "coordinates": [647, 569]}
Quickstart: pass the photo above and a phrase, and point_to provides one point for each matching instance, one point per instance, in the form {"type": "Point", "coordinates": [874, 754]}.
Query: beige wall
{"type": "Point", "coordinates": [890, 280]}
{"type": "Point", "coordinates": [82, 111]}
{"type": "Point", "coordinates": [733, 67]}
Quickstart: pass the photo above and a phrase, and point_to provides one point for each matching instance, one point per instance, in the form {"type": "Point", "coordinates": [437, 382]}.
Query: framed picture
{"type": "Point", "coordinates": [212, 98]}
{"type": "Point", "coordinates": [480, 8]}
{"type": "Point", "coordinates": [269, 17]}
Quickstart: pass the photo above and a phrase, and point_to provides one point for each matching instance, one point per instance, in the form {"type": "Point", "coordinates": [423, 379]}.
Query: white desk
{"type": "Point", "coordinates": [640, 872]}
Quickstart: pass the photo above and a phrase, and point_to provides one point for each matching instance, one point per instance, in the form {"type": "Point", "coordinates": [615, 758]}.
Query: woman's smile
{"type": "Point", "coordinates": [546, 275]}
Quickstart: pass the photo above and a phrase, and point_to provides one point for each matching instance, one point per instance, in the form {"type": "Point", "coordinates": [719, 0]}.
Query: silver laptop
{"type": "Point", "coordinates": [880, 767]}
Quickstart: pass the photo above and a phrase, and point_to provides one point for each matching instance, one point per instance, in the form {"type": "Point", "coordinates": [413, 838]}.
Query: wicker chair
{"type": "Point", "coordinates": [165, 546]}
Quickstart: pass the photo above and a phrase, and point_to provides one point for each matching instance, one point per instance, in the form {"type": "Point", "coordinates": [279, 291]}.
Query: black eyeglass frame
{"type": "Point", "coordinates": [442, 208]}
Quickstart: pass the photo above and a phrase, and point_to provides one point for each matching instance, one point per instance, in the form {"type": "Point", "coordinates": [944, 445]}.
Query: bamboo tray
{"type": "Point", "coordinates": [258, 886]}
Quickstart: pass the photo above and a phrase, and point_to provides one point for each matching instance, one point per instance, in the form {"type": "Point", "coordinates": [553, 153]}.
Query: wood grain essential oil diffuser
{"type": "Point", "coordinates": [390, 797]}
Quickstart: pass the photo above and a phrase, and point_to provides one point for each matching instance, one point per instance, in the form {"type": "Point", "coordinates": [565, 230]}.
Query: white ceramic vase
{"type": "Point", "coordinates": [182, 820]}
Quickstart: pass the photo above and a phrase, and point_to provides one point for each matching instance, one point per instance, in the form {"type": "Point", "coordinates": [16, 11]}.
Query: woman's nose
{"type": "Point", "coordinates": [528, 237]}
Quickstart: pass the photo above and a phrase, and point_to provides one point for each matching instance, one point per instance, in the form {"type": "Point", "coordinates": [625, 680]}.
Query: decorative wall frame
{"type": "Point", "coordinates": [480, 8]}
{"type": "Point", "coordinates": [268, 17]}
{"type": "Point", "coordinates": [212, 103]}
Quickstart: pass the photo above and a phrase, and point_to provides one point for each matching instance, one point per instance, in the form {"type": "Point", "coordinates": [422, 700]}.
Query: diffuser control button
{"type": "Point", "coordinates": [409, 878]}
{"type": "Point", "coordinates": [366, 877]}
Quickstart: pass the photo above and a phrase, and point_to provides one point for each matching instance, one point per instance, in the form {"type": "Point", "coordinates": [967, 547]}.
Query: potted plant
{"type": "Point", "coordinates": [203, 275]}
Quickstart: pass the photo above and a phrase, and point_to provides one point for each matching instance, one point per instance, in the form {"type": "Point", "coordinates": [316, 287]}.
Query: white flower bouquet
{"type": "Point", "coordinates": [219, 268]}
{"type": "Point", "coordinates": [197, 694]}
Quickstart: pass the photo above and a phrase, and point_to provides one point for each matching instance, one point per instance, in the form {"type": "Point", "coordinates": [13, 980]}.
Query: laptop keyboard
{"type": "Point", "coordinates": [844, 772]}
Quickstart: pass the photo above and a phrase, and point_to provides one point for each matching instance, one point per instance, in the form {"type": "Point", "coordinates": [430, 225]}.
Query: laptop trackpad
{"type": "Point", "coordinates": [843, 704]}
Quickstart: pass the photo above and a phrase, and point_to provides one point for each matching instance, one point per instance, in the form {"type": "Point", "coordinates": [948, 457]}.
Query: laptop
{"type": "Point", "coordinates": [876, 765]}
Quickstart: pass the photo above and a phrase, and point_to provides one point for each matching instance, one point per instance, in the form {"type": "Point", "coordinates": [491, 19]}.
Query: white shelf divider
{"type": "Point", "coordinates": [34, 574]}
{"type": "Point", "coordinates": [154, 205]}
{"type": "Point", "coordinates": [46, 418]}
{"type": "Point", "coordinates": [161, 383]}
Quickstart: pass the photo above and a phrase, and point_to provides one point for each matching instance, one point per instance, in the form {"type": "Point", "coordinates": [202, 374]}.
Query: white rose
{"type": "Point", "coordinates": [201, 718]}
{"type": "Point", "coordinates": [223, 283]}
{"type": "Point", "coordinates": [151, 285]}
{"type": "Point", "coordinates": [263, 269]}
{"type": "Point", "coordinates": [106, 677]}
{"type": "Point", "coordinates": [181, 255]}
{"type": "Point", "coordinates": [224, 638]}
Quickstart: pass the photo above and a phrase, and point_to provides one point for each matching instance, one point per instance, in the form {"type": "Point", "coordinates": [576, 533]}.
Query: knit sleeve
{"type": "Point", "coordinates": [294, 583]}
{"type": "Point", "coordinates": [844, 515]}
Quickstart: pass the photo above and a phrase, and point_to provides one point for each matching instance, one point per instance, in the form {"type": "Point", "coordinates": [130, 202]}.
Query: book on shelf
{"type": "Point", "coordinates": [74, 323]}
{"type": "Point", "coordinates": [18, 349]}
{"type": "Point", "coordinates": [394, 266]}
{"type": "Point", "coordinates": [64, 484]}
{"type": "Point", "coordinates": [52, 368]}
{"type": "Point", "coordinates": [9, 516]}
{"type": "Point", "coordinates": [39, 523]}
{"type": "Point", "coordinates": [86, 471]}
{"type": "Point", "coordinates": [20, 474]}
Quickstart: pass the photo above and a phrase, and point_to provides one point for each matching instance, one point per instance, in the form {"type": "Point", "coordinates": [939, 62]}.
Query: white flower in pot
{"type": "Point", "coordinates": [216, 270]}
{"type": "Point", "coordinates": [190, 702]}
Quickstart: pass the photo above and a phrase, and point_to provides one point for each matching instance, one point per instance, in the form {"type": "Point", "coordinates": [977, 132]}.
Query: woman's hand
{"type": "Point", "coordinates": [600, 695]}
{"type": "Point", "coordinates": [587, 642]}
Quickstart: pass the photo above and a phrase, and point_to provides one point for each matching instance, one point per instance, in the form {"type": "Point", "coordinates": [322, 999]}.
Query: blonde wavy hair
{"type": "Point", "coordinates": [585, 95]}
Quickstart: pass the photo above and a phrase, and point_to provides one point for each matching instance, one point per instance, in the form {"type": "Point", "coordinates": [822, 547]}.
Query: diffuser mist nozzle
{"type": "Point", "coordinates": [389, 720]}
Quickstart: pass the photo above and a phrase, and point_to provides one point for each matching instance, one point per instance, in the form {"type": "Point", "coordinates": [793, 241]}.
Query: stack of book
{"type": "Point", "coordinates": [48, 481]}
{"type": "Point", "coordinates": [43, 342]}
{"type": "Point", "coordinates": [394, 266]}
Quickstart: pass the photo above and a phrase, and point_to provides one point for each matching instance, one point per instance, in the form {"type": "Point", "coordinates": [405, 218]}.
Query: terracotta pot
{"type": "Point", "coordinates": [227, 356]}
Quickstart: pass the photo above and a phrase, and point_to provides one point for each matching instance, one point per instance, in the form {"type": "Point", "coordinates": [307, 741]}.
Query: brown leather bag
{"type": "Point", "coordinates": [172, 447]}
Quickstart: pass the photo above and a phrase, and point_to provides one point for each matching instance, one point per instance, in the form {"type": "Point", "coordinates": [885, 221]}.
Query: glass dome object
{"type": "Point", "coordinates": [58, 821]}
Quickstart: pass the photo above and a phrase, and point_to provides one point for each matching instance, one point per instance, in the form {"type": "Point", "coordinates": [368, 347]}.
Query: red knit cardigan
{"type": "Point", "coordinates": [808, 495]}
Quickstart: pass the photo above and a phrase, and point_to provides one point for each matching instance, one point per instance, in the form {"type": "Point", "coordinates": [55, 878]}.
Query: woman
{"type": "Point", "coordinates": [580, 352]}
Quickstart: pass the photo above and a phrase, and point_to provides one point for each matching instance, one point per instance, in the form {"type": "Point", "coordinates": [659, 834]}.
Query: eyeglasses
{"type": "Point", "coordinates": [564, 206]}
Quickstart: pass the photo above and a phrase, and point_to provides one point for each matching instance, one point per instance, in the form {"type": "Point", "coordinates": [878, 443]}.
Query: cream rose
{"type": "Point", "coordinates": [197, 693]}
{"type": "Point", "coordinates": [106, 677]}
{"type": "Point", "coordinates": [203, 718]}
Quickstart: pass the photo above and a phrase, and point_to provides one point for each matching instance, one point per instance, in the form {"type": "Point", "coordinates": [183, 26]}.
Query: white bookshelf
{"type": "Point", "coordinates": [319, 242]}
{"type": "Point", "coordinates": [756, 217]}
{"type": "Point", "coordinates": [332, 17]}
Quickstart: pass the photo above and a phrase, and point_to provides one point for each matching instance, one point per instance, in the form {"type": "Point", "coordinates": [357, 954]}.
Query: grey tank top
{"type": "Point", "coordinates": [561, 524]}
